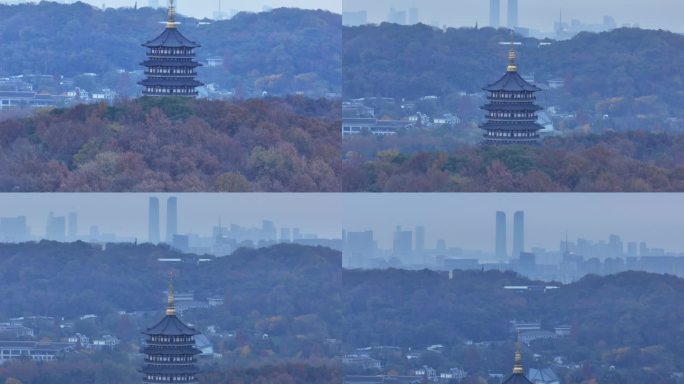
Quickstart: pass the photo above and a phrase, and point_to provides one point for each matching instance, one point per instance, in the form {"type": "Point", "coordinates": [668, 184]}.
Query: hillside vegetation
{"type": "Point", "coordinates": [170, 144]}
{"type": "Point", "coordinates": [280, 52]}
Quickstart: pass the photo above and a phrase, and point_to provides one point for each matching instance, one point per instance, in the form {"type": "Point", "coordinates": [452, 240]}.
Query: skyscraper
{"type": "Point", "coordinates": [396, 17]}
{"type": "Point", "coordinates": [403, 242]}
{"type": "Point", "coordinates": [171, 219]}
{"type": "Point", "coordinates": [518, 233]}
{"type": "Point", "coordinates": [72, 225]}
{"type": "Point", "coordinates": [501, 235]}
{"type": "Point", "coordinates": [55, 228]}
{"type": "Point", "coordinates": [495, 13]}
{"type": "Point", "coordinates": [153, 221]}
{"type": "Point", "coordinates": [512, 14]}
{"type": "Point", "coordinates": [413, 16]}
{"type": "Point", "coordinates": [420, 238]}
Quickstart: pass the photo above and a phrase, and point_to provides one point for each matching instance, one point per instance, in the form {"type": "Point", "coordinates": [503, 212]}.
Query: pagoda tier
{"type": "Point", "coordinates": [170, 352]}
{"type": "Point", "coordinates": [171, 65]}
{"type": "Point", "coordinates": [511, 109]}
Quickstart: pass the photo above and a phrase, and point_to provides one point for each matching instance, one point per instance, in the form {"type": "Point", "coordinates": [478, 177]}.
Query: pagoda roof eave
{"type": "Point", "coordinates": [171, 38]}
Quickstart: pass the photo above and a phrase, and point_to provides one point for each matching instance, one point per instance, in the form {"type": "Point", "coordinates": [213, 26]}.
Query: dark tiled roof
{"type": "Point", "coordinates": [171, 38]}
{"type": "Point", "coordinates": [511, 81]}
{"type": "Point", "coordinates": [516, 378]}
{"type": "Point", "coordinates": [171, 325]}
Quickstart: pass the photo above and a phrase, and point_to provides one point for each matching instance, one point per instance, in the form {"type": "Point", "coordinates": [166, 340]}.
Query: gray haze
{"type": "Point", "coordinates": [468, 220]}
{"type": "Point", "coordinates": [205, 8]}
{"type": "Point", "coordinates": [125, 215]}
{"type": "Point", "coordinates": [536, 14]}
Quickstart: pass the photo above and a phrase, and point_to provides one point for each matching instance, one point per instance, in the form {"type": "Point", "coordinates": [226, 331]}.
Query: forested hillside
{"type": "Point", "coordinates": [610, 162]}
{"type": "Point", "coordinates": [168, 144]}
{"type": "Point", "coordinates": [283, 51]}
{"type": "Point", "coordinates": [625, 71]}
{"type": "Point", "coordinates": [289, 292]}
{"type": "Point", "coordinates": [631, 321]}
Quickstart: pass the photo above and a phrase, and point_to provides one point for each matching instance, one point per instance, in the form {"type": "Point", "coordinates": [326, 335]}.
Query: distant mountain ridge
{"type": "Point", "coordinates": [298, 49]}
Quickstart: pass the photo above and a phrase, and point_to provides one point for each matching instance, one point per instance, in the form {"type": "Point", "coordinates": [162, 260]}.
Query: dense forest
{"type": "Point", "coordinates": [622, 72]}
{"type": "Point", "coordinates": [610, 162]}
{"type": "Point", "coordinates": [282, 51]}
{"type": "Point", "coordinates": [631, 321]}
{"type": "Point", "coordinates": [303, 299]}
{"type": "Point", "coordinates": [171, 144]}
{"type": "Point", "coordinates": [290, 292]}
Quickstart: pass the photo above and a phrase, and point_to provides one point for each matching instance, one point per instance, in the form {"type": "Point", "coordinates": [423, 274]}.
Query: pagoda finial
{"type": "Point", "coordinates": [171, 22]}
{"type": "Point", "coordinates": [518, 368]}
{"type": "Point", "coordinates": [512, 56]}
{"type": "Point", "coordinates": [170, 306]}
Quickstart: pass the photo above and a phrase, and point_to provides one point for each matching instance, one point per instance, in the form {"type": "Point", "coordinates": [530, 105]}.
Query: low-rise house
{"type": "Point", "coordinates": [38, 351]}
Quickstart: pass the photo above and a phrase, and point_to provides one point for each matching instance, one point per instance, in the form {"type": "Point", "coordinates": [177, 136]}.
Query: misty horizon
{"type": "Point", "coordinates": [536, 14]}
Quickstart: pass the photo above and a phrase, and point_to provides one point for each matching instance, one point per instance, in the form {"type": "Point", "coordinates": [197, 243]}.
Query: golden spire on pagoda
{"type": "Point", "coordinates": [170, 306]}
{"type": "Point", "coordinates": [518, 368]}
{"type": "Point", "coordinates": [512, 56]}
{"type": "Point", "coordinates": [171, 22]}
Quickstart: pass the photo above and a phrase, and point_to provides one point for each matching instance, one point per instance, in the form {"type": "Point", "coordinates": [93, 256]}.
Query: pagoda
{"type": "Point", "coordinates": [511, 109]}
{"type": "Point", "coordinates": [171, 65]}
{"type": "Point", "coordinates": [170, 353]}
{"type": "Point", "coordinates": [518, 375]}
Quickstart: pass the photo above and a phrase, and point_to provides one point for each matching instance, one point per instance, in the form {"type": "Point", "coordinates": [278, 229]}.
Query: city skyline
{"type": "Point", "coordinates": [469, 223]}
{"type": "Point", "coordinates": [198, 213]}
{"type": "Point", "coordinates": [536, 14]}
{"type": "Point", "coordinates": [206, 8]}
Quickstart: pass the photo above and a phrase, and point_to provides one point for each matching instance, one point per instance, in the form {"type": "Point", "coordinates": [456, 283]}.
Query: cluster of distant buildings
{"type": "Point", "coordinates": [562, 30]}
{"type": "Point", "coordinates": [223, 240]}
{"type": "Point", "coordinates": [569, 263]}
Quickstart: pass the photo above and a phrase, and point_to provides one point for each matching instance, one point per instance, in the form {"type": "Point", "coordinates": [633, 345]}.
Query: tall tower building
{"type": "Point", "coordinates": [72, 226]}
{"type": "Point", "coordinates": [518, 233]}
{"type": "Point", "coordinates": [171, 219]}
{"type": "Point", "coordinates": [495, 13]}
{"type": "Point", "coordinates": [56, 228]}
{"type": "Point", "coordinates": [512, 14]}
{"type": "Point", "coordinates": [413, 16]}
{"type": "Point", "coordinates": [501, 235]}
{"type": "Point", "coordinates": [511, 109]}
{"type": "Point", "coordinates": [518, 375]}
{"type": "Point", "coordinates": [403, 242]}
{"type": "Point", "coordinates": [420, 238]}
{"type": "Point", "coordinates": [153, 221]}
{"type": "Point", "coordinates": [169, 349]}
{"type": "Point", "coordinates": [171, 65]}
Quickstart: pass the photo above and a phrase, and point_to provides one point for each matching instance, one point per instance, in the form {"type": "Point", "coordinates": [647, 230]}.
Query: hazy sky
{"type": "Point", "coordinates": [463, 220]}
{"type": "Point", "coordinates": [126, 214]}
{"type": "Point", "coordinates": [537, 14]}
{"type": "Point", "coordinates": [468, 220]}
{"type": "Point", "coordinates": [205, 8]}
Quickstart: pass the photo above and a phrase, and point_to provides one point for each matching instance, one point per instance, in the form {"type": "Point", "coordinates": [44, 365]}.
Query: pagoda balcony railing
{"type": "Point", "coordinates": [171, 55]}
{"type": "Point", "coordinates": [512, 119]}
{"type": "Point", "coordinates": [169, 344]}
{"type": "Point", "coordinates": [152, 93]}
{"type": "Point", "coordinates": [507, 100]}
{"type": "Point", "coordinates": [146, 380]}
{"type": "Point", "coordinates": [167, 75]}
{"type": "Point", "coordinates": [171, 363]}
